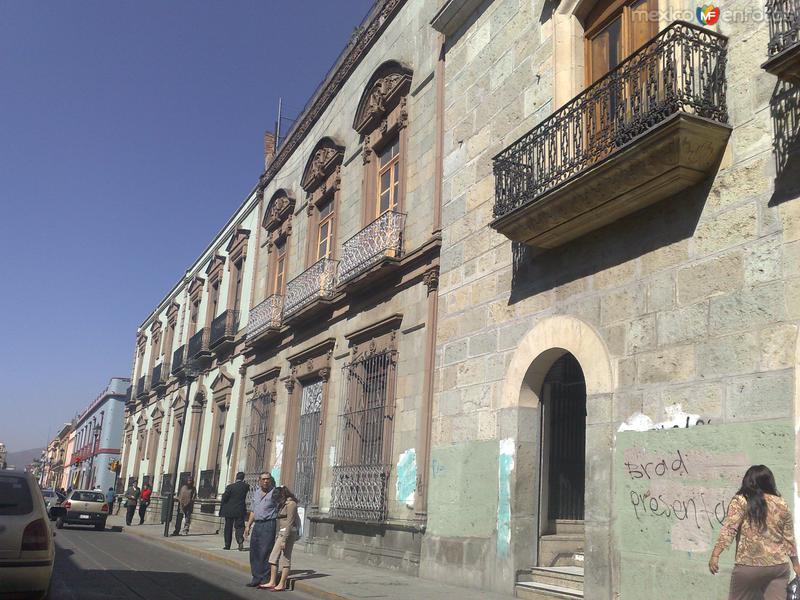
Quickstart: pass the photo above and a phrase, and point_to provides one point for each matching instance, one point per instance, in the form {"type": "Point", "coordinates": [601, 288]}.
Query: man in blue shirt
{"type": "Point", "coordinates": [110, 498]}
{"type": "Point", "coordinates": [262, 523]}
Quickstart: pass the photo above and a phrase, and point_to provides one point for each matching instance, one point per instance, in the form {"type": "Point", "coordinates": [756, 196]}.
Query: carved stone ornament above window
{"type": "Point", "coordinates": [172, 313]}
{"type": "Point", "coordinates": [326, 156]}
{"type": "Point", "coordinates": [237, 247]}
{"type": "Point", "coordinates": [214, 268]}
{"type": "Point", "coordinates": [388, 85]}
{"type": "Point", "coordinates": [221, 389]}
{"type": "Point", "coordinates": [196, 286]}
{"type": "Point", "coordinates": [279, 210]}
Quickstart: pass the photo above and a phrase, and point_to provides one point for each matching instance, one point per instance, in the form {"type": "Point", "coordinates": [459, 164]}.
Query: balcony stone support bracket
{"type": "Point", "coordinates": [676, 154]}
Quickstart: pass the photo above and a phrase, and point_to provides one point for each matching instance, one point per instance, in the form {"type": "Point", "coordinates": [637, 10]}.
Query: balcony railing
{"type": "Point", "coordinates": [316, 282]}
{"type": "Point", "coordinates": [784, 39]}
{"type": "Point", "coordinates": [198, 344]}
{"type": "Point", "coordinates": [264, 316]}
{"type": "Point", "coordinates": [178, 360]}
{"type": "Point", "coordinates": [681, 70]}
{"type": "Point", "coordinates": [784, 25]}
{"type": "Point", "coordinates": [160, 375]}
{"type": "Point", "coordinates": [383, 238]}
{"type": "Point", "coordinates": [224, 327]}
{"type": "Point", "coordinates": [141, 386]}
{"type": "Point", "coordinates": [359, 492]}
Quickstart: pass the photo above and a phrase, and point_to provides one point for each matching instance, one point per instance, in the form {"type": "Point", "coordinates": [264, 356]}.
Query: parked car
{"type": "Point", "coordinates": [26, 540]}
{"type": "Point", "coordinates": [52, 498]}
{"type": "Point", "coordinates": [82, 507]}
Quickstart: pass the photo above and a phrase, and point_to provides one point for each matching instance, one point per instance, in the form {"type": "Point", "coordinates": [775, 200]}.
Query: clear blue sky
{"type": "Point", "coordinates": [129, 132]}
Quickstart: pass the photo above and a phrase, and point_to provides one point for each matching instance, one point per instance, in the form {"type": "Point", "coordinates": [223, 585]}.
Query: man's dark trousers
{"type": "Point", "coordinates": [262, 539]}
{"type": "Point", "coordinates": [131, 511]}
{"type": "Point", "coordinates": [232, 523]}
{"type": "Point", "coordinates": [182, 514]}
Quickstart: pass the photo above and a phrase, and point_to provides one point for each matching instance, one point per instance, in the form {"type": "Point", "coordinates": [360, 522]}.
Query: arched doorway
{"type": "Point", "coordinates": [563, 464]}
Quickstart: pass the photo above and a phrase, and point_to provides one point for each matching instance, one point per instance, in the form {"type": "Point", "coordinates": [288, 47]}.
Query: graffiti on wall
{"type": "Point", "coordinates": [669, 486]}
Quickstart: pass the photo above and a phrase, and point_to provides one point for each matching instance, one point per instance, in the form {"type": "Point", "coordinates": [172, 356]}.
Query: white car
{"type": "Point", "coordinates": [26, 540]}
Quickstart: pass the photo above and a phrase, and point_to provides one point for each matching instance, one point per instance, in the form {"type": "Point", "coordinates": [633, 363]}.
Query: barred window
{"type": "Point", "coordinates": [362, 468]}
{"type": "Point", "coordinates": [256, 440]}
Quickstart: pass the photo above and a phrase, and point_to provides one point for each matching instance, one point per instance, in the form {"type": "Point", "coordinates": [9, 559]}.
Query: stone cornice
{"type": "Point", "coordinates": [383, 14]}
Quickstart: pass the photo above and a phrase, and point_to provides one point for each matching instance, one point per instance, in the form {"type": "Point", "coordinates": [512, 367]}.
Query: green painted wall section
{"type": "Point", "coordinates": [673, 488]}
{"type": "Point", "coordinates": [463, 490]}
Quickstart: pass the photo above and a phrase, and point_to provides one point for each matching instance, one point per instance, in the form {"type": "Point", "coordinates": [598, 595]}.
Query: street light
{"type": "Point", "coordinates": [96, 435]}
{"type": "Point", "coordinates": [190, 373]}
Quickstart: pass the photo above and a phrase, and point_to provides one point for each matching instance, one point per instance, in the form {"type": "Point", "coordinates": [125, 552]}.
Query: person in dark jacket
{"type": "Point", "coordinates": [131, 499]}
{"type": "Point", "coordinates": [232, 507]}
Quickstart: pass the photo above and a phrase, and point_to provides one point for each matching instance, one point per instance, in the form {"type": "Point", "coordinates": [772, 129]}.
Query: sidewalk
{"type": "Point", "coordinates": [315, 575]}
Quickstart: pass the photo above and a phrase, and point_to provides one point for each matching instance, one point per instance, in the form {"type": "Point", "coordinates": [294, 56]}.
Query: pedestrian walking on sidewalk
{"type": "Point", "coordinates": [281, 556]}
{"type": "Point", "coordinates": [232, 507]}
{"type": "Point", "coordinates": [110, 495]}
{"type": "Point", "coordinates": [186, 497]}
{"type": "Point", "coordinates": [144, 501]}
{"type": "Point", "coordinates": [762, 524]}
{"type": "Point", "coordinates": [131, 498]}
{"type": "Point", "coordinates": [262, 523]}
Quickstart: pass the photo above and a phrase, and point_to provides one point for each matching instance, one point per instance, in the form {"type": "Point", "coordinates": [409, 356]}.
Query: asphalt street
{"type": "Point", "coordinates": [110, 564]}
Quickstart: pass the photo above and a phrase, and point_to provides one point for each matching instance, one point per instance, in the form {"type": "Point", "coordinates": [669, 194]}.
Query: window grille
{"type": "Point", "coordinates": [256, 441]}
{"type": "Point", "coordinates": [361, 473]}
{"type": "Point", "coordinates": [310, 419]}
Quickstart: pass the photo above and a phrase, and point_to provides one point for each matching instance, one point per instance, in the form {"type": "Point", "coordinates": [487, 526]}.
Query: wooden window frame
{"type": "Point", "coordinates": [277, 222]}
{"type": "Point", "coordinates": [382, 117]}
{"type": "Point", "coordinates": [321, 181]}
{"type": "Point", "coordinates": [600, 16]}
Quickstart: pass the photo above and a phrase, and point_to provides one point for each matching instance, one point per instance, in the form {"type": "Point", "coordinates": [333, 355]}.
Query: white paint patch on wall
{"type": "Point", "coordinates": [505, 466]}
{"type": "Point", "coordinates": [332, 456]}
{"type": "Point", "coordinates": [276, 464]}
{"type": "Point", "coordinates": [676, 417]}
{"type": "Point", "coordinates": [406, 486]}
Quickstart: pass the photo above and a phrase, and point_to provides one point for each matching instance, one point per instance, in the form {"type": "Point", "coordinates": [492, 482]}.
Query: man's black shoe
{"type": "Point", "coordinates": [226, 547]}
{"type": "Point", "coordinates": [252, 584]}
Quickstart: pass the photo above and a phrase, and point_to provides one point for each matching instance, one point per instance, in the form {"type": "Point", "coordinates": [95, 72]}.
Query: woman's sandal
{"type": "Point", "coordinates": [266, 586]}
{"type": "Point", "coordinates": [279, 590]}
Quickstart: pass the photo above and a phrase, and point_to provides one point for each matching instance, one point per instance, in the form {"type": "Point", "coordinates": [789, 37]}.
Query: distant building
{"type": "Point", "coordinates": [98, 437]}
{"type": "Point", "coordinates": [3, 454]}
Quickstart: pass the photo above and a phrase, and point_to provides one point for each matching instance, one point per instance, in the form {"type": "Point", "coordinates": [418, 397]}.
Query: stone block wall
{"type": "Point", "coordinates": [693, 299]}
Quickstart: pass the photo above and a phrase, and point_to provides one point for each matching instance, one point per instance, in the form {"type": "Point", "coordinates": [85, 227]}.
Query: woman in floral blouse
{"type": "Point", "coordinates": [761, 522]}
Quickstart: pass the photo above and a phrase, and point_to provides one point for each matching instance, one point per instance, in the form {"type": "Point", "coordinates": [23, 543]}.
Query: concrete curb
{"type": "Point", "coordinates": [297, 585]}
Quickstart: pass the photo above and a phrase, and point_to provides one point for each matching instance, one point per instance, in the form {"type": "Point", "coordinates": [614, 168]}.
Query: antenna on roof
{"type": "Point", "coordinates": [278, 123]}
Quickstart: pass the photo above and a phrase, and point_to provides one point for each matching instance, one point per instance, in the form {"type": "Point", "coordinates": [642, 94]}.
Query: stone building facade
{"type": "Point", "coordinates": [323, 285]}
{"type": "Point", "coordinates": [617, 336]}
{"type": "Point", "coordinates": [514, 304]}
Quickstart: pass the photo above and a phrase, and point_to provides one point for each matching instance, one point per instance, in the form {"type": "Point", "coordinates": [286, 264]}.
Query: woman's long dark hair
{"type": "Point", "coordinates": [757, 481]}
{"type": "Point", "coordinates": [283, 493]}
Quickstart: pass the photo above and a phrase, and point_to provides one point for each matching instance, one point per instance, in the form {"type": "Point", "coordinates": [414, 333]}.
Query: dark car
{"type": "Point", "coordinates": [82, 507]}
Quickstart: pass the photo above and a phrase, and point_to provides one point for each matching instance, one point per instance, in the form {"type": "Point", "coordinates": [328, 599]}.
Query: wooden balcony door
{"type": "Point", "coordinates": [614, 29]}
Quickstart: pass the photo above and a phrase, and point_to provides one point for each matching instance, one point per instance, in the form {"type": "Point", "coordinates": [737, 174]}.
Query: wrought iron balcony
{"type": "Point", "coordinates": [178, 360]}
{"type": "Point", "coordinates": [784, 38]}
{"type": "Point", "coordinates": [224, 328]}
{"type": "Point", "coordinates": [359, 492]}
{"type": "Point", "coordinates": [141, 386]}
{"type": "Point", "coordinates": [379, 241]}
{"type": "Point", "coordinates": [160, 375]}
{"type": "Point", "coordinates": [265, 316]}
{"type": "Point", "coordinates": [651, 127]}
{"type": "Point", "coordinates": [318, 282]}
{"type": "Point", "coordinates": [198, 345]}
